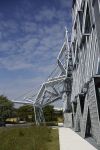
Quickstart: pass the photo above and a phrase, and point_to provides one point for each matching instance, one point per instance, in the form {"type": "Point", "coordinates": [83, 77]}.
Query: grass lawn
{"type": "Point", "coordinates": [29, 138]}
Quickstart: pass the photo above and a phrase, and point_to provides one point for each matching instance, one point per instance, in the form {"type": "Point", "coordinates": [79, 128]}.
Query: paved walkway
{"type": "Point", "coordinates": [69, 140]}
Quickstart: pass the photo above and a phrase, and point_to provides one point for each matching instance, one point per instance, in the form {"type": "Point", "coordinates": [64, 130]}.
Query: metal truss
{"type": "Point", "coordinates": [57, 85]}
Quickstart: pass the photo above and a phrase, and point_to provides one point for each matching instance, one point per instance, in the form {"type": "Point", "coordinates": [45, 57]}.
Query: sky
{"type": "Point", "coordinates": [31, 36]}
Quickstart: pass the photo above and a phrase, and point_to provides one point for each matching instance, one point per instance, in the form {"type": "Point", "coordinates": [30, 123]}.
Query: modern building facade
{"type": "Point", "coordinates": [78, 83]}
{"type": "Point", "coordinates": [85, 47]}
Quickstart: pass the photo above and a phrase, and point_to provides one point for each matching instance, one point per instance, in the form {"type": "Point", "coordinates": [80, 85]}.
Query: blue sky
{"type": "Point", "coordinates": [31, 35]}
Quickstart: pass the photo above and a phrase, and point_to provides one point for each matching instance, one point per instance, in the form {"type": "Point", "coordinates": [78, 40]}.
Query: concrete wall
{"type": "Point", "coordinates": [88, 54]}
{"type": "Point", "coordinates": [86, 62]}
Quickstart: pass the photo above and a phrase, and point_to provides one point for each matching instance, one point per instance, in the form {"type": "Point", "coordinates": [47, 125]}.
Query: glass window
{"type": "Point", "coordinates": [98, 97]}
{"type": "Point", "coordinates": [87, 21]}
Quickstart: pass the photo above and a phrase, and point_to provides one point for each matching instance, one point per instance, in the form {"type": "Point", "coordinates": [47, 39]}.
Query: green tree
{"type": "Point", "coordinates": [49, 113]}
{"type": "Point", "coordinates": [6, 107]}
{"type": "Point", "coordinates": [24, 113]}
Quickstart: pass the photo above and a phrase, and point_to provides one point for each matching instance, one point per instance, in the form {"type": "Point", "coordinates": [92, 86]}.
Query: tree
{"type": "Point", "coordinates": [49, 113]}
{"type": "Point", "coordinates": [24, 113]}
{"type": "Point", "coordinates": [6, 108]}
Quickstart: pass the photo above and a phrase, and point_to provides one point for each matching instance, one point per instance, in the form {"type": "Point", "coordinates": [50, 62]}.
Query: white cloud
{"type": "Point", "coordinates": [31, 42]}
{"type": "Point", "coordinates": [8, 64]}
{"type": "Point", "coordinates": [21, 86]}
{"type": "Point", "coordinates": [20, 53]}
{"type": "Point", "coordinates": [46, 14]}
{"type": "Point", "coordinates": [29, 27]}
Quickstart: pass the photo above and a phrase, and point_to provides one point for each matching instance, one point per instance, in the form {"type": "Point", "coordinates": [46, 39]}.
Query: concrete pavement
{"type": "Point", "coordinates": [69, 140]}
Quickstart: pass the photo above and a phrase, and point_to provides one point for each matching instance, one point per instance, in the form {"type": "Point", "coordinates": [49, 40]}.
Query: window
{"type": "Point", "coordinates": [93, 2]}
{"type": "Point", "coordinates": [87, 21]}
{"type": "Point", "coordinates": [75, 106]}
{"type": "Point", "coordinates": [74, 45]}
{"type": "Point", "coordinates": [77, 55]}
{"type": "Point", "coordinates": [74, 3]}
{"type": "Point", "coordinates": [81, 12]}
{"type": "Point", "coordinates": [82, 101]}
{"type": "Point", "coordinates": [81, 19]}
{"type": "Point", "coordinates": [88, 125]}
{"type": "Point", "coordinates": [83, 6]}
{"type": "Point", "coordinates": [98, 71]}
{"type": "Point", "coordinates": [98, 96]}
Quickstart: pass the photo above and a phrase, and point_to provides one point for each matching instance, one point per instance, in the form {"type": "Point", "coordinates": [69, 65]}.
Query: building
{"type": "Point", "coordinates": [85, 47]}
{"type": "Point", "coordinates": [78, 83]}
